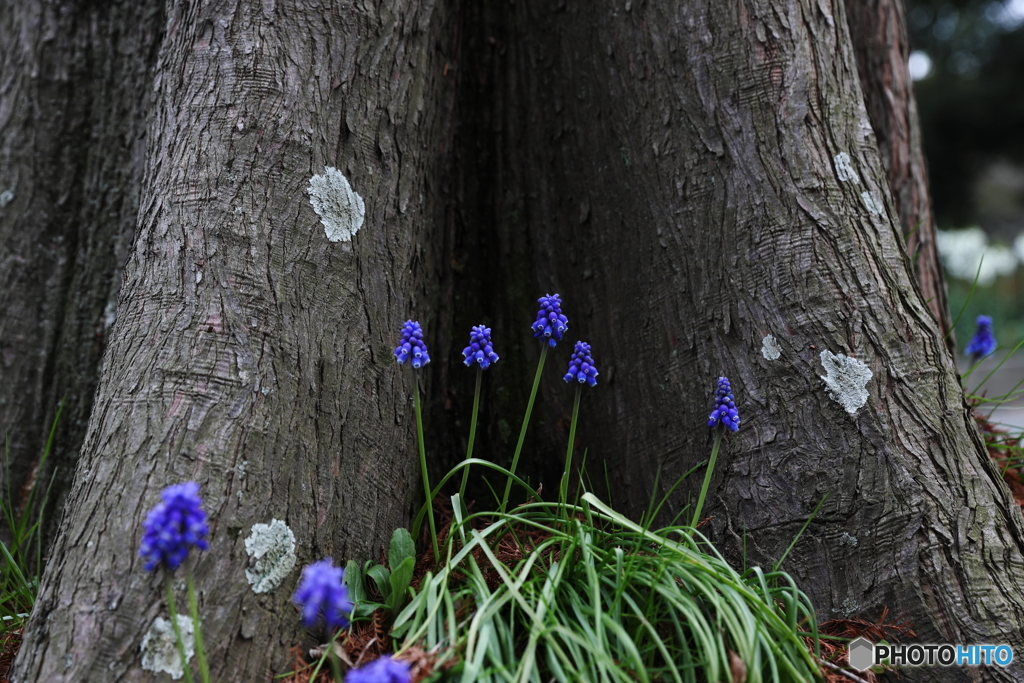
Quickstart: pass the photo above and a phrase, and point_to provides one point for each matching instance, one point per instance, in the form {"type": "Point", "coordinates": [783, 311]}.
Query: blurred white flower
{"type": "Point", "coordinates": [919, 64]}
{"type": "Point", "coordinates": [964, 252]}
{"type": "Point", "coordinates": [1008, 14]}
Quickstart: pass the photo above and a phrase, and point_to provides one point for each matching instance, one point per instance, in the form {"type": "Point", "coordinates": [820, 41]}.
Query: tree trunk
{"type": "Point", "coordinates": [697, 176]}
{"type": "Point", "coordinates": [690, 176]}
{"type": "Point", "coordinates": [72, 126]}
{"type": "Point", "coordinates": [878, 29]}
{"type": "Point", "coordinates": [251, 353]}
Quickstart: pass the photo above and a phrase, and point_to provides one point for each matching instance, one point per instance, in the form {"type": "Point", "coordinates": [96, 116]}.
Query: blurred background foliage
{"type": "Point", "coordinates": [968, 68]}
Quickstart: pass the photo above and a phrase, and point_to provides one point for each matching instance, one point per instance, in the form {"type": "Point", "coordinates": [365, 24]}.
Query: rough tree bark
{"type": "Point", "coordinates": [718, 158]}
{"type": "Point", "coordinates": [73, 99]}
{"type": "Point", "coordinates": [675, 169]}
{"type": "Point", "coordinates": [878, 29]}
{"type": "Point", "coordinates": [250, 353]}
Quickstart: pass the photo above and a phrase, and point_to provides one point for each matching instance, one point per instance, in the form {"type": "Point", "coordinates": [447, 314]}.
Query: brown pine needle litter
{"type": "Point", "coordinates": [834, 652]}
{"type": "Point", "coordinates": [9, 644]}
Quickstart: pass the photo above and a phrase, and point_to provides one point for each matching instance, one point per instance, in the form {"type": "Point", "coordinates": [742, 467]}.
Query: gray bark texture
{"type": "Point", "coordinates": [878, 29]}
{"type": "Point", "coordinates": [73, 97]}
{"type": "Point", "coordinates": [693, 177]}
{"type": "Point", "coordinates": [250, 353]}
{"type": "Point", "coordinates": [690, 176]}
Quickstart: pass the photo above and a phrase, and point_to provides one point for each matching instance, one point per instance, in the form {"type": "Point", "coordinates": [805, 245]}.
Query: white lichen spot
{"type": "Point", "coordinates": [770, 348]}
{"type": "Point", "coordinates": [845, 379]}
{"type": "Point", "coordinates": [160, 646]}
{"type": "Point", "coordinates": [849, 607]}
{"type": "Point", "coordinates": [872, 204]}
{"type": "Point", "coordinates": [340, 208]}
{"type": "Point", "coordinates": [844, 168]}
{"type": "Point", "coordinates": [271, 550]}
{"type": "Point", "coordinates": [847, 539]}
{"type": "Point", "coordinates": [6, 197]}
{"type": "Point", "coordinates": [109, 315]}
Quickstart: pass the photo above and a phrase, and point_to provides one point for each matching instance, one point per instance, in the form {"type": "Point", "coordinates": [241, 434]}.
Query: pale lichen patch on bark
{"type": "Point", "coordinates": [770, 348]}
{"type": "Point", "coordinates": [845, 380]}
{"type": "Point", "coordinates": [848, 607]}
{"type": "Point", "coordinates": [844, 168]}
{"type": "Point", "coordinates": [160, 646]}
{"type": "Point", "coordinates": [271, 550]}
{"type": "Point", "coordinates": [340, 208]}
{"type": "Point", "coordinates": [871, 203]}
{"type": "Point", "coordinates": [6, 197]}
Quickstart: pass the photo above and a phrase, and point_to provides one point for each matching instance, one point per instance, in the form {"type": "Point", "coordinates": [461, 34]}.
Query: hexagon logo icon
{"type": "Point", "coordinates": [861, 654]}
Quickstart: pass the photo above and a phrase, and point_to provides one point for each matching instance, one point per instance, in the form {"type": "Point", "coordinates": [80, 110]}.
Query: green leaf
{"type": "Point", "coordinates": [354, 581]}
{"type": "Point", "coordinates": [382, 577]}
{"type": "Point", "coordinates": [402, 547]}
{"type": "Point", "coordinates": [365, 609]}
{"type": "Point", "coordinates": [400, 579]}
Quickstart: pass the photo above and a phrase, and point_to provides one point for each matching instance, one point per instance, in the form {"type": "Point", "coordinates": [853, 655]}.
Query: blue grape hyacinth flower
{"type": "Point", "coordinates": [411, 346]}
{"type": "Point", "coordinates": [725, 407]}
{"type": "Point", "coordinates": [983, 342]}
{"type": "Point", "coordinates": [550, 323]}
{"type": "Point", "coordinates": [581, 365]}
{"type": "Point", "coordinates": [480, 350]}
{"type": "Point", "coordinates": [175, 525]}
{"type": "Point", "coordinates": [384, 669]}
{"type": "Point", "coordinates": [322, 593]}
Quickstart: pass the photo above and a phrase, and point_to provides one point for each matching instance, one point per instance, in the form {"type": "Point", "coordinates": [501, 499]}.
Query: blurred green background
{"type": "Point", "coordinates": [968, 69]}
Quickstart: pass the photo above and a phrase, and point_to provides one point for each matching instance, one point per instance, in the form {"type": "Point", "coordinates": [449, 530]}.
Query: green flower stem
{"type": "Point", "coordinates": [707, 479]}
{"type": "Point", "coordinates": [472, 433]}
{"type": "Point", "coordinates": [335, 664]}
{"type": "Point", "coordinates": [563, 490]}
{"type": "Point", "coordinates": [172, 608]}
{"type": "Point", "coordinates": [522, 431]}
{"type": "Point", "coordinates": [193, 608]}
{"type": "Point", "coordinates": [324, 656]}
{"type": "Point", "coordinates": [423, 467]}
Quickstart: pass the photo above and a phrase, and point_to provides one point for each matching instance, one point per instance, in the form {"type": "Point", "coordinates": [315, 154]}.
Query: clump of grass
{"type": "Point", "coordinates": [21, 562]}
{"type": "Point", "coordinates": [601, 598]}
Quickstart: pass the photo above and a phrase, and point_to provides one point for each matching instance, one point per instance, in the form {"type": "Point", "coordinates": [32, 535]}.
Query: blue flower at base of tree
{"type": "Point", "coordinates": [480, 350]}
{"type": "Point", "coordinates": [321, 592]}
{"type": "Point", "coordinates": [581, 365]}
{"type": "Point", "coordinates": [411, 346]}
{"type": "Point", "coordinates": [725, 407]}
{"type": "Point", "coordinates": [384, 669]}
{"type": "Point", "coordinates": [176, 524]}
{"type": "Point", "coordinates": [983, 342]}
{"type": "Point", "coordinates": [550, 323]}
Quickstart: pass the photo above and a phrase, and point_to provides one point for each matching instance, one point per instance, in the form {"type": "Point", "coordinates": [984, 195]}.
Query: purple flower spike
{"type": "Point", "coordinates": [480, 350]}
{"type": "Point", "coordinates": [983, 342]}
{"type": "Point", "coordinates": [550, 324]}
{"type": "Point", "coordinates": [173, 526]}
{"type": "Point", "coordinates": [581, 365]}
{"type": "Point", "coordinates": [321, 592]}
{"type": "Point", "coordinates": [725, 407]}
{"type": "Point", "coordinates": [384, 669]}
{"type": "Point", "coordinates": [412, 346]}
